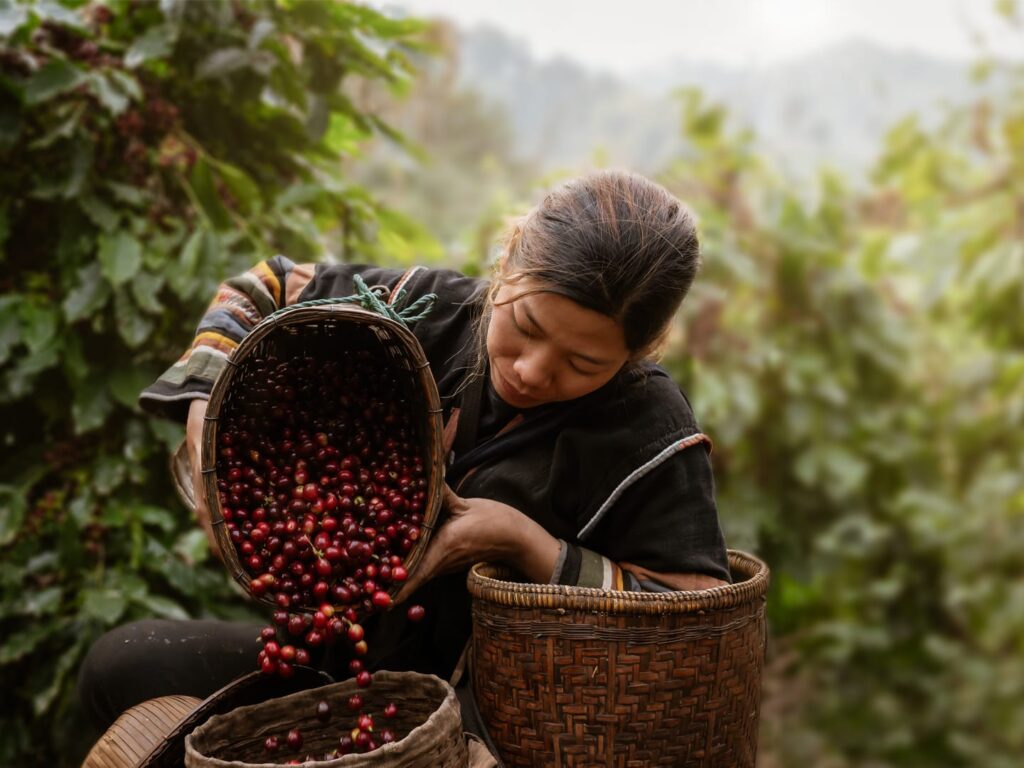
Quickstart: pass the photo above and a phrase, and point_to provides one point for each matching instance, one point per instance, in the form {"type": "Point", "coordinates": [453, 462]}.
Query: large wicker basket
{"type": "Point", "coordinates": [326, 331]}
{"type": "Point", "coordinates": [572, 676]}
{"type": "Point", "coordinates": [428, 715]}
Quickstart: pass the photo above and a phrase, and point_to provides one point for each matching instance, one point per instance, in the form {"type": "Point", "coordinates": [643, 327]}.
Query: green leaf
{"type": "Point", "coordinates": [164, 607]}
{"type": "Point", "coordinates": [167, 432]}
{"type": "Point", "coordinates": [202, 182]}
{"type": "Point", "coordinates": [126, 193]}
{"type": "Point", "coordinates": [157, 516]}
{"type": "Point", "coordinates": [224, 62]}
{"type": "Point", "coordinates": [10, 325]}
{"type": "Point", "coordinates": [120, 257]}
{"type": "Point", "coordinates": [156, 43]}
{"type": "Point", "coordinates": [127, 83]}
{"type": "Point", "coordinates": [42, 701]}
{"type": "Point", "coordinates": [43, 602]}
{"type": "Point", "coordinates": [12, 18]}
{"type": "Point", "coordinates": [146, 289]}
{"type": "Point", "coordinates": [76, 367]}
{"type": "Point", "coordinates": [20, 644]}
{"type": "Point", "coordinates": [44, 562]}
{"type": "Point", "coordinates": [126, 382]}
{"type": "Point", "coordinates": [193, 547]}
{"type": "Point", "coordinates": [132, 326]}
{"type": "Point", "coordinates": [39, 326]}
{"type": "Point", "coordinates": [81, 509]}
{"type": "Point", "coordinates": [99, 213]}
{"type": "Point", "coordinates": [91, 405]}
{"type": "Point", "coordinates": [81, 164]}
{"type": "Point", "coordinates": [63, 130]}
{"type": "Point", "coordinates": [242, 187]}
{"type": "Point", "coordinates": [10, 126]}
{"type": "Point", "coordinates": [259, 32]}
{"type": "Point", "coordinates": [189, 259]}
{"type": "Point", "coordinates": [130, 585]}
{"type": "Point", "coordinates": [49, 10]}
{"type": "Point", "coordinates": [109, 95]}
{"type": "Point", "coordinates": [12, 512]}
{"type": "Point", "coordinates": [89, 295]}
{"type": "Point", "coordinates": [55, 77]}
{"type": "Point", "coordinates": [107, 605]}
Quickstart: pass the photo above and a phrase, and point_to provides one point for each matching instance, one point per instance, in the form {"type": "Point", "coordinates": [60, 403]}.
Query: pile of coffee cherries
{"type": "Point", "coordinates": [323, 488]}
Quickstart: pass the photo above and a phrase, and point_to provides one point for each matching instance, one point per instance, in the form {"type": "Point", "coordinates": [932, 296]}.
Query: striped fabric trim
{"type": "Point", "coordinates": [403, 280]}
{"type": "Point", "coordinates": [214, 341]}
{"type": "Point", "coordinates": [270, 280]}
{"type": "Point", "coordinates": [636, 474]}
{"type": "Point", "coordinates": [598, 571]}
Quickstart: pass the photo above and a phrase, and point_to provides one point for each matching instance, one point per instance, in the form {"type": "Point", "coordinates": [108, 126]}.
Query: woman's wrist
{"type": "Point", "coordinates": [531, 550]}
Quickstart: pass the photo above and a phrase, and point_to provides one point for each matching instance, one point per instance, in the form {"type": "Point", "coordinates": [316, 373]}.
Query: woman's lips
{"type": "Point", "coordinates": [512, 389]}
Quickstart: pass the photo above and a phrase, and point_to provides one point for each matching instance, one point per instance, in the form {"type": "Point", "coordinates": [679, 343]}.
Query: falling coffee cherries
{"type": "Point", "coordinates": [323, 488]}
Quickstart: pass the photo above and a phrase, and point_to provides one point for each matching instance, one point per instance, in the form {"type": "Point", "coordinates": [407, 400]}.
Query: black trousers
{"type": "Point", "coordinates": [158, 657]}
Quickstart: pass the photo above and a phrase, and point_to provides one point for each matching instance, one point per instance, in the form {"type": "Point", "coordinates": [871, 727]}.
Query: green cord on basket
{"type": "Point", "coordinates": [368, 298]}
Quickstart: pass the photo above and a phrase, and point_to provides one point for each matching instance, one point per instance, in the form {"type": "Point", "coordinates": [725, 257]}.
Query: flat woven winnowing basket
{"type": "Point", "coordinates": [583, 677]}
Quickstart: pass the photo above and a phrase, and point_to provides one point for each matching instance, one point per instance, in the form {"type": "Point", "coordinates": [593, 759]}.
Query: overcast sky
{"type": "Point", "coordinates": [632, 35]}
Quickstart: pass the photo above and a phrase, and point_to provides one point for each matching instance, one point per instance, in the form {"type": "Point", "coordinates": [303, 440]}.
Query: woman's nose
{"type": "Point", "coordinates": [533, 370]}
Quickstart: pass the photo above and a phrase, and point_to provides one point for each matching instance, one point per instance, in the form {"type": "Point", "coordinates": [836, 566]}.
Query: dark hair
{"type": "Point", "coordinates": [611, 241]}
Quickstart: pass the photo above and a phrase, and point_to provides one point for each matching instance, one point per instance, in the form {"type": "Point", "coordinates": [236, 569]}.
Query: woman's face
{"type": "Point", "coordinates": [545, 348]}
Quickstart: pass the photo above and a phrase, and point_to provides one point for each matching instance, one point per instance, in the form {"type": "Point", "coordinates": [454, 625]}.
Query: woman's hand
{"type": "Point", "coordinates": [194, 441]}
{"type": "Point", "coordinates": [482, 529]}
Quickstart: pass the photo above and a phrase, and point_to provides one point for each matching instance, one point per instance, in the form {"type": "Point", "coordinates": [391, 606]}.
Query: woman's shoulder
{"type": "Point", "coordinates": [645, 400]}
{"type": "Point", "coordinates": [336, 279]}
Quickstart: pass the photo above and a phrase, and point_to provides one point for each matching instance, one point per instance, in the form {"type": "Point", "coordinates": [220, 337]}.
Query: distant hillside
{"type": "Point", "coordinates": [831, 107]}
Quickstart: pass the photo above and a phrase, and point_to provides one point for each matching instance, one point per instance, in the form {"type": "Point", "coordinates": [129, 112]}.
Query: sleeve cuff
{"type": "Point", "coordinates": [580, 567]}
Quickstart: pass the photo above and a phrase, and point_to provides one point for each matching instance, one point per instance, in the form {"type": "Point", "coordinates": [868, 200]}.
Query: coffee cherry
{"type": "Point", "coordinates": [415, 613]}
{"type": "Point", "coordinates": [323, 711]}
{"type": "Point", "coordinates": [294, 739]}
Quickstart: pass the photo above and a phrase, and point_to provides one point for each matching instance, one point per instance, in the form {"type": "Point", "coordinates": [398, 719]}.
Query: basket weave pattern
{"type": "Point", "coordinates": [137, 731]}
{"type": "Point", "coordinates": [574, 677]}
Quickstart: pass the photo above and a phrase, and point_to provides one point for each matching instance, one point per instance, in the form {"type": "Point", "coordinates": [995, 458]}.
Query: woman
{"type": "Point", "coordinates": [572, 459]}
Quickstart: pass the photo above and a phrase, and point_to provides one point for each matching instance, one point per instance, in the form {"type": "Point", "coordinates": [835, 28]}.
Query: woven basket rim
{"type": "Point", "coordinates": [485, 584]}
{"type": "Point", "coordinates": [383, 750]}
{"type": "Point", "coordinates": [221, 386]}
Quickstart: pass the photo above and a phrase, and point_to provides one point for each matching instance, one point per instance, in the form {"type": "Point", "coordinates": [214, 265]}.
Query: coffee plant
{"type": "Point", "coordinates": [149, 150]}
{"type": "Point", "coordinates": [857, 355]}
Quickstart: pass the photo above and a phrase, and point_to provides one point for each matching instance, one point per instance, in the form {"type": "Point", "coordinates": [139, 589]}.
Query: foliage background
{"type": "Point", "coordinates": [855, 349]}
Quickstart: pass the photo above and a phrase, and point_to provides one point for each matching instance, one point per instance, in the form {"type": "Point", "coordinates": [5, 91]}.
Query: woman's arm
{"type": "Point", "coordinates": [193, 443]}
{"type": "Point", "coordinates": [238, 305]}
{"type": "Point", "coordinates": [486, 530]}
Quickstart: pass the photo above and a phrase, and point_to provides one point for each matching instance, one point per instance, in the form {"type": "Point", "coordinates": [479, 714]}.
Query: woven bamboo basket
{"type": "Point", "coordinates": [428, 715]}
{"type": "Point", "coordinates": [326, 331]}
{"type": "Point", "coordinates": [138, 731]}
{"type": "Point", "coordinates": [573, 676]}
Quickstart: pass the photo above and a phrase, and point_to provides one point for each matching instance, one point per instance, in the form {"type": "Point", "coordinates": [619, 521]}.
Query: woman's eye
{"type": "Point", "coordinates": [580, 371]}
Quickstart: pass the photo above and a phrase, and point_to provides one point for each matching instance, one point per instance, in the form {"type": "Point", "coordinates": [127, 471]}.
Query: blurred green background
{"type": "Point", "coordinates": [854, 343]}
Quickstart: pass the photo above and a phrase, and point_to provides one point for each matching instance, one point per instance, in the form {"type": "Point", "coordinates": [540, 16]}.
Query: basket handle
{"type": "Point", "coordinates": [373, 299]}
